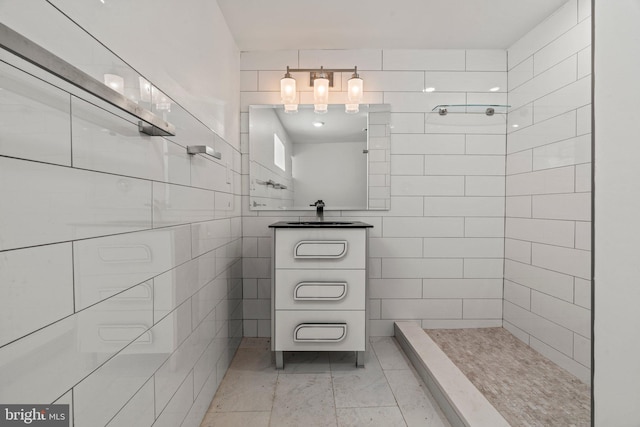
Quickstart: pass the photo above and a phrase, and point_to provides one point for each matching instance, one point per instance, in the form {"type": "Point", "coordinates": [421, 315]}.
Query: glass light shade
{"type": "Point", "coordinates": [351, 108]}
{"type": "Point", "coordinates": [354, 90]}
{"type": "Point", "coordinates": [115, 82]}
{"type": "Point", "coordinates": [291, 108]}
{"type": "Point", "coordinates": [320, 108]}
{"type": "Point", "coordinates": [288, 90]}
{"type": "Point", "coordinates": [321, 91]}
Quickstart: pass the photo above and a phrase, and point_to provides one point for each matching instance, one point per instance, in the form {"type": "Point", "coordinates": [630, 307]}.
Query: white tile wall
{"type": "Point", "coordinates": [482, 308]}
{"type": "Point", "coordinates": [548, 209]}
{"type": "Point", "coordinates": [550, 29]}
{"type": "Point", "coordinates": [486, 60]}
{"type": "Point", "coordinates": [80, 203]}
{"type": "Point", "coordinates": [49, 296]}
{"type": "Point", "coordinates": [464, 206]}
{"type": "Point", "coordinates": [483, 227]}
{"type": "Point", "coordinates": [563, 360]}
{"type": "Point", "coordinates": [441, 243]}
{"type": "Point", "coordinates": [104, 142]}
{"type": "Point", "coordinates": [550, 282]}
{"type": "Point", "coordinates": [35, 118]}
{"type": "Point", "coordinates": [414, 59]}
{"type": "Point", "coordinates": [121, 262]}
{"type": "Point", "coordinates": [568, 98]}
{"type": "Point", "coordinates": [517, 294]}
{"type": "Point", "coordinates": [416, 144]}
{"type": "Point", "coordinates": [462, 288]}
{"type": "Point", "coordinates": [556, 77]}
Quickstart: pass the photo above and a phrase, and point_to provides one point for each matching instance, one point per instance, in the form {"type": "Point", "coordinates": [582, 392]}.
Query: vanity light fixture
{"type": "Point", "coordinates": [321, 79]}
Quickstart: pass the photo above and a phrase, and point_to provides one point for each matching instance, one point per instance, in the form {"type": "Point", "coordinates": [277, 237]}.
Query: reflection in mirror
{"type": "Point", "coordinates": [340, 158]}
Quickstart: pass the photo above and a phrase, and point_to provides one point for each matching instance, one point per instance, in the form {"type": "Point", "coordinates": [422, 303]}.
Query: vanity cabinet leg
{"type": "Point", "coordinates": [360, 359]}
{"type": "Point", "coordinates": [279, 360]}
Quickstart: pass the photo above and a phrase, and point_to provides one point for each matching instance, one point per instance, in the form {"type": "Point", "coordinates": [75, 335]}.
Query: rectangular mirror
{"type": "Point", "coordinates": [342, 159]}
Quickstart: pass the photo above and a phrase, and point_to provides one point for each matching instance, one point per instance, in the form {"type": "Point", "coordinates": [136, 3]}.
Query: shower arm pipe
{"type": "Point", "coordinates": [35, 54]}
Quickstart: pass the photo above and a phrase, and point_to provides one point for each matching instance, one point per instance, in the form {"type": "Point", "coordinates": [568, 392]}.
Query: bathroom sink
{"type": "Point", "coordinates": [320, 223]}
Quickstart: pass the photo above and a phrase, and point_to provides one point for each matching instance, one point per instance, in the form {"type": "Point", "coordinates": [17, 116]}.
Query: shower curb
{"type": "Point", "coordinates": [461, 402]}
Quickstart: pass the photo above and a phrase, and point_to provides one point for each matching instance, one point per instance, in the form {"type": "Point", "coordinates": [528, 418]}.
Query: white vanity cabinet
{"type": "Point", "coordinates": [319, 288]}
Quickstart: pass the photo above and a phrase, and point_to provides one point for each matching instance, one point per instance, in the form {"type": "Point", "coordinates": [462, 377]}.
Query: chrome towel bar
{"type": "Point", "coordinates": [19, 45]}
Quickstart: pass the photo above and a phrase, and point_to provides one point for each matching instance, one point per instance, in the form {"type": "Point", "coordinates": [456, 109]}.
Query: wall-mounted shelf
{"type": "Point", "coordinates": [19, 45]}
{"type": "Point", "coordinates": [488, 109]}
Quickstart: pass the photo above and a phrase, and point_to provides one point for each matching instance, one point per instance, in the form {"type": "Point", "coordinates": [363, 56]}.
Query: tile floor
{"type": "Point", "coordinates": [524, 386]}
{"type": "Point", "coordinates": [322, 389]}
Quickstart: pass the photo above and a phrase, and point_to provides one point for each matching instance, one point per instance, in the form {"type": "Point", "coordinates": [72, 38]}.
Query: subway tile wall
{"type": "Point", "coordinates": [547, 292]}
{"type": "Point", "coordinates": [120, 258]}
{"type": "Point", "coordinates": [436, 256]}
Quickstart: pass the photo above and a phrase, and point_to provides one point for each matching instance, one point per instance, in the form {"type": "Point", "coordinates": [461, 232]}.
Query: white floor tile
{"type": "Point", "coordinates": [322, 389]}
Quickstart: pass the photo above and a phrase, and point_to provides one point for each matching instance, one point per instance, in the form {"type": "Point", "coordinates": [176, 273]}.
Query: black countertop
{"type": "Point", "coordinates": [329, 223]}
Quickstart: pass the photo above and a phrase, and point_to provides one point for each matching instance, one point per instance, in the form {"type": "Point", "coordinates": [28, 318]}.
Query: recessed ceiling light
{"type": "Point", "coordinates": [494, 89]}
{"type": "Point", "coordinates": [429, 89]}
{"type": "Point", "coordinates": [318, 124]}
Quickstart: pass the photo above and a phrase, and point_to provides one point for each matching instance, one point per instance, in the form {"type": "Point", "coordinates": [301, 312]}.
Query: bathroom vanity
{"type": "Point", "coordinates": [319, 287]}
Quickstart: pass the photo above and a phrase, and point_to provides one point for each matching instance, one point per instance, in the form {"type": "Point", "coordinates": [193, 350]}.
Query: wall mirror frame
{"type": "Point", "coordinates": [338, 157]}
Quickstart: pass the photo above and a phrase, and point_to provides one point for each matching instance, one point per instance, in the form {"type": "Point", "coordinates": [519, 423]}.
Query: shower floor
{"type": "Point", "coordinates": [524, 386]}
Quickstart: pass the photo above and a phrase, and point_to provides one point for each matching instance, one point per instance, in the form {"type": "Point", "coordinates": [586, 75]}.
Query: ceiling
{"type": "Point", "coordinates": [389, 24]}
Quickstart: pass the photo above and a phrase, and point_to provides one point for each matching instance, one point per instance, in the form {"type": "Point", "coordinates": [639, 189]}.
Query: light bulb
{"type": "Point", "coordinates": [354, 90]}
{"type": "Point", "coordinates": [288, 90]}
{"type": "Point", "coordinates": [321, 91]}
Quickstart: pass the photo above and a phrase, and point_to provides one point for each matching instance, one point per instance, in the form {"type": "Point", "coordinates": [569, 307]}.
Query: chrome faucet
{"type": "Point", "coordinates": [319, 209]}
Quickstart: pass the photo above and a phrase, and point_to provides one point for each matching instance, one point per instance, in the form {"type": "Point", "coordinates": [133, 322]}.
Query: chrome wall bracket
{"type": "Point", "coordinates": [203, 149]}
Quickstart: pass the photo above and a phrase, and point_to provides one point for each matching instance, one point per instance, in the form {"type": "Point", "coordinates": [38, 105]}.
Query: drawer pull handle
{"type": "Point", "coordinates": [320, 291]}
{"type": "Point", "coordinates": [320, 249]}
{"type": "Point", "coordinates": [320, 332]}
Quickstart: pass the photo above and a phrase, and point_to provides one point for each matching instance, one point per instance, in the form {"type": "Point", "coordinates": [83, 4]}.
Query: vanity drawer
{"type": "Point", "coordinates": [320, 289]}
{"type": "Point", "coordinates": [320, 248]}
{"type": "Point", "coordinates": [320, 331]}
